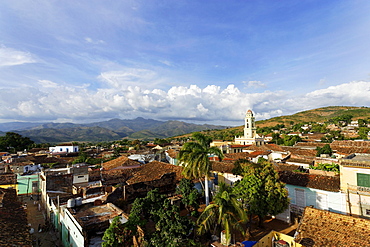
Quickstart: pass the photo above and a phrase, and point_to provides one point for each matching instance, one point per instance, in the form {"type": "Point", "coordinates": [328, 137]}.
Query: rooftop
{"type": "Point", "coordinates": [13, 220]}
{"type": "Point", "coordinates": [324, 228]}
{"type": "Point", "coordinates": [328, 183]}
{"type": "Point", "coordinates": [120, 162]}
{"type": "Point", "coordinates": [154, 170]}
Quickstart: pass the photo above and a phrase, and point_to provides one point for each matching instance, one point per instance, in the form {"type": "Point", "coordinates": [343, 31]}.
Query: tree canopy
{"type": "Point", "coordinates": [261, 191]}
{"type": "Point", "coordinates": [170, 229]}
{"type": "Point", "coordinates": [14, 142]}
{"type": "Point", "coordinates": [189, 195]}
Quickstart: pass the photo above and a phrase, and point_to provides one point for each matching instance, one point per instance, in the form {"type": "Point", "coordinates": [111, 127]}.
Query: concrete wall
{"type": "Point", "coordinates": [325, 200]}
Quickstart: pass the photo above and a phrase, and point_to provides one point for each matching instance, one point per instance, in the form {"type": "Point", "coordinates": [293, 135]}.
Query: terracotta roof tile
{"type": "Point", "coordinates": [116, 176]}
{"type": "Point", "coordinates": [155, 170]}
{"type": "Point", "coordinates": [13, 221]}
{"type": "Point", "coordinates": [225, 166]}
{"type": "Point", "coordinates": [237, 156]}
{"type": "Point", "coordinates": [266, 147]}
{"type": "Point", "coordinates": [328, 183]}
{"type": "Point", "coordinates": [324, 228]}
{"type": "Point", "coordinates": [120, 162]}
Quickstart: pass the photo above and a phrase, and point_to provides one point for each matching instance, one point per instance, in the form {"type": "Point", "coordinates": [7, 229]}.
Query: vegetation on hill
{"type": "Point", "coordinates": [331, 114]}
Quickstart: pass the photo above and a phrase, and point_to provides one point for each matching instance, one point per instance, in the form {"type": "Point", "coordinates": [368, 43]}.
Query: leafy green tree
{"type": "Point", "coordinates": [326, 149]}
{"type": "Point", "coordinates": [326, 167]}
{"type": "Point", "coordinates": [277, 139]}
{"type": "Point", "coordinates": [194, 156]}
{"type": "Point", "coordinates": [240, 166]}
{"type": "Point", "coordinates": [346, 118]}
{"type": "Point", "coordinates": [190, 195]}
{"type": "Point", "coordinates": [14, 141]}
{"type": "Point", "coordinates": [331, 136]}
{"type": "Point", "coordinates": [117, 235]}
{"type": "Point", "coordinates": [291, 140]}
{"type": "Point", "coordinates": [225, 212]}
{"type": "Point", "coordinates": [362, 122]}
{"type": "Point", "coordinates": [362, 132]}
{"type": "Point", "coordinates": [170, 228]}
{"type": "Point", "coordinates": [261, 191]}
{"type": "Point", "coordinates": [82, 157]}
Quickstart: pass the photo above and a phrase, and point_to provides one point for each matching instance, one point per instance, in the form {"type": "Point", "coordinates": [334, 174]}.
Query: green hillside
{"type": "Point", "coordinates": [318, 115]}
{"type": "Point", "coordinates": [315, 115]}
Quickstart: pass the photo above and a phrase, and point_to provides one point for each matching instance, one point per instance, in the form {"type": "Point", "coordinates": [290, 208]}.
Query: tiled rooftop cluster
{"type": "Point", "coordinates": [155, 170]}
{"type": "Point", "coordinates": [328, 183]}
{"type": "Point", "coordinates": [225, 166]}
{"type": "Point", "coordinates": [324, 228]}
{"type": "Point", "coordinates": [14, 230]}
{"type": "Point", "coordinates": [8, 178]}
{"type": "Point", "coordinates": [120, 162]}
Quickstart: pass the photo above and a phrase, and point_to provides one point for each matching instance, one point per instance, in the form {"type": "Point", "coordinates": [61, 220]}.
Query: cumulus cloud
{"type": "Point", "coordinates": [11, 57]}
{"type": "Point", "coordinates": [52, 101]}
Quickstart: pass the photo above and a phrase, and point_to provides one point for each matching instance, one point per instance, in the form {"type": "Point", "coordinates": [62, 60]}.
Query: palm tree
{"type": "Point", "coordinates": [194, 156]}
{"type": "Point", "coordinates": [225, 211]}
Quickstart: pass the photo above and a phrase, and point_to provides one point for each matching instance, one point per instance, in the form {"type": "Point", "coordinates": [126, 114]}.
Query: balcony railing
{"type": "Point", "coordinates": [359, 189]}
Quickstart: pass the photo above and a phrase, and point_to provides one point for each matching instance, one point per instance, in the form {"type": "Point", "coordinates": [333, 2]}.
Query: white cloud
{"type": "Point", "coordinates": [254, 84]}
{"type": "Point", "coordinates": [95, 42]}
{"type": "Point", "coordinates": [52, 101]}
{"type": "Point", "coordinates": [11, 57]}
{"type": "Point", "coordinates": [130, 77]}
{"type": "Point", "coordinates": [165, 62]}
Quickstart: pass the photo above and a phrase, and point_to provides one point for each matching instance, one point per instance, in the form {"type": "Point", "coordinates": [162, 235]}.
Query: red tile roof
{"type": "Point", "coordinates": [14, 230]}
{"type": "Point", "coordinates": [266, 147]}
{"type": "Point", "coordinates": [225, 166]}
{"type": "Point", "coordinates": [324, 228]}
{"type": "Point", "coordinates": [154, 170]}
{"type": "Point", "coordinates": [328, 183]}
{"type": "Point", "coordinates": [258, 153]}
{"type": "Point", "coordinates": [237, 156]}
{"type": "Point", "coordinates": [120, 162]}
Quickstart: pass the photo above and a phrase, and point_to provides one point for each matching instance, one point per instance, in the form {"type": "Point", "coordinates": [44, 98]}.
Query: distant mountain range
{"type": "Point", "coordinates": [114, 129]}
{"type": "Point", "coordinates": [141, 128]}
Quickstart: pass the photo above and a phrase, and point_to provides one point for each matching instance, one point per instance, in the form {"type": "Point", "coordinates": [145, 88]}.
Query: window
{"type": "Point", "coordinates": [363, 180]}
{"type": "Point", "coordinates": [367, 211]}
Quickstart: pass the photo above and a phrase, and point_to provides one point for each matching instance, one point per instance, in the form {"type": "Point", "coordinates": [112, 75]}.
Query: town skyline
{"type": "Point", "coordinates": [201, 62]}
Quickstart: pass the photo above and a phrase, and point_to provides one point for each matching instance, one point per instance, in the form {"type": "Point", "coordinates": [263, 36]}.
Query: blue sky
{"type": "Point", "coordinates": [199, 61]}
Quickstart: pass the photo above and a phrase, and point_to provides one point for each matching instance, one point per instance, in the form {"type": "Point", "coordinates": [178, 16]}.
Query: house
{"type": "Point", "coordinates": [64, 148]}
{"type": "Point", "coordinates": [171, 156]}
{"type": "Point", "coordinates": [355, 182]}
{"type": "Point", "coordinates": [28, 184]}
{"type": "Point", "coordinates": [24, 167]}
{"type": "Point", "coordinates": [84, 224]}
{"type": "Point", "coordinates": [13, 220]}
{"type": "Point", "coordinates": [149, 176]}
{"type": "Point", "coordinates": [325, 228]}
{"type": "Point", "coordinates": [222, 171]}
{"type": "Point", "coordinates": [304, 189]}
